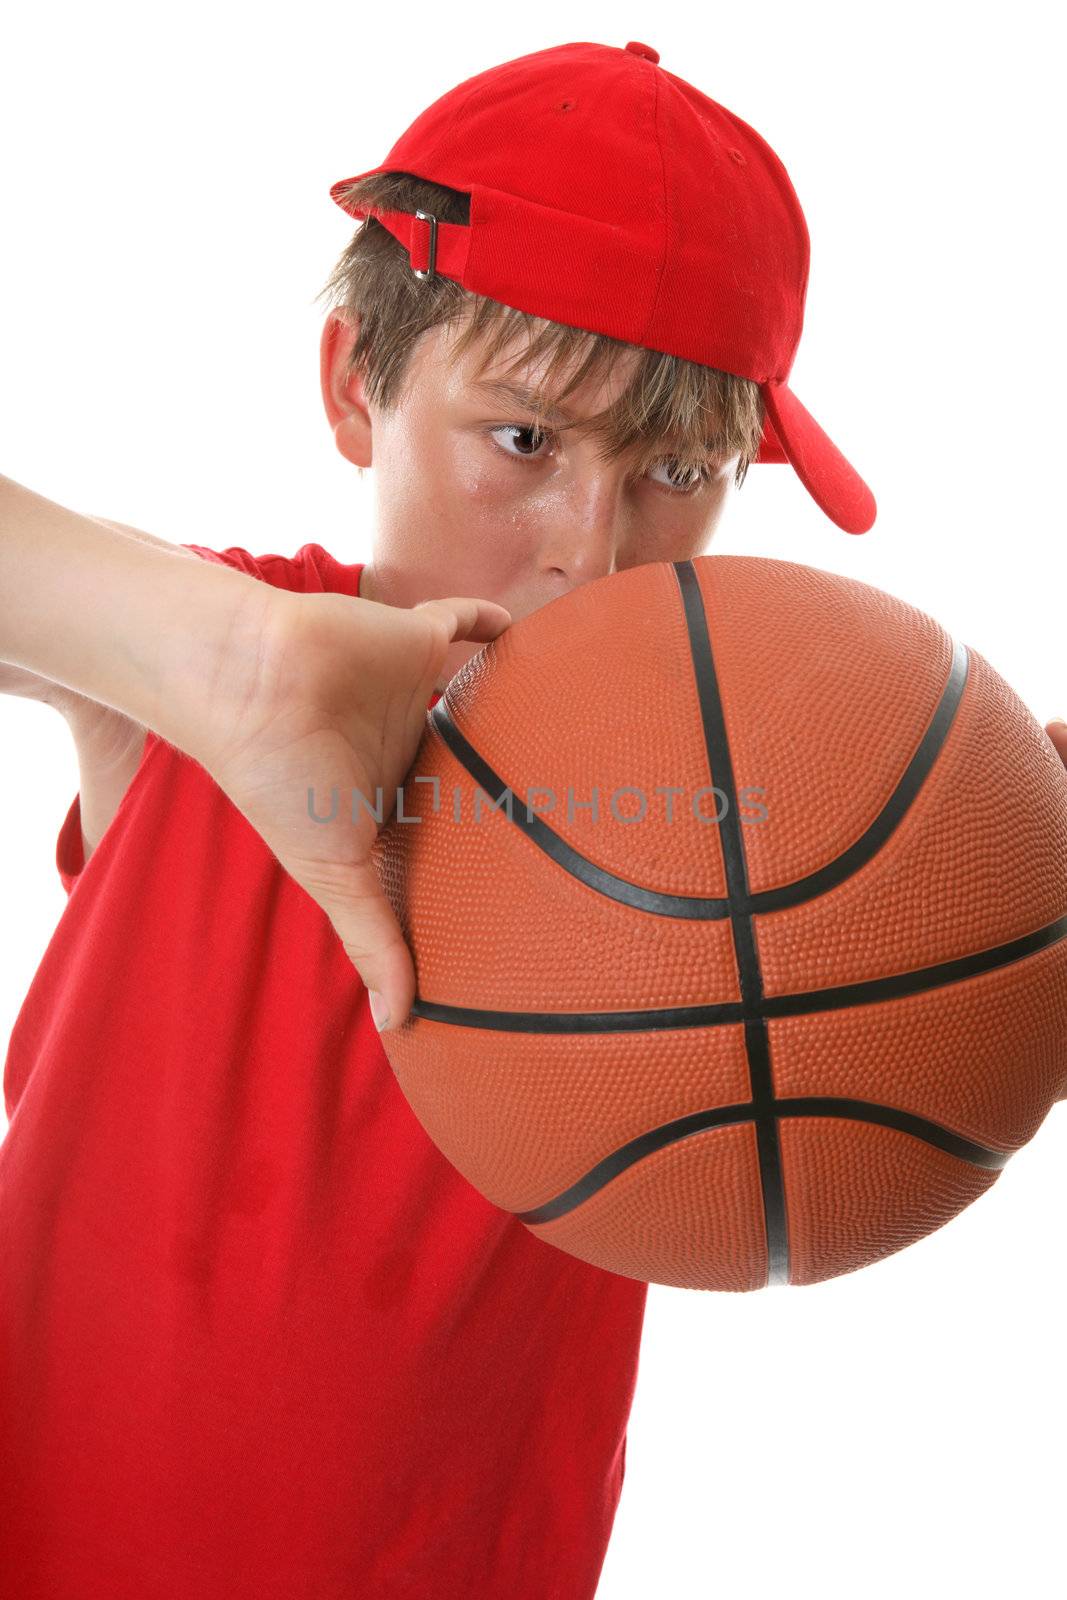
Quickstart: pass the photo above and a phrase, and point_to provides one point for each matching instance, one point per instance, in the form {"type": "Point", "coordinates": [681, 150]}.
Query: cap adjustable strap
{"type": "Point", "coordinates": [434, 248]}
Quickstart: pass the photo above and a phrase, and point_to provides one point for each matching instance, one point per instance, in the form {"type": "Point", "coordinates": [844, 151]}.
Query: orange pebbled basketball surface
{"type": "Point", "coordinates": [718, 1054]}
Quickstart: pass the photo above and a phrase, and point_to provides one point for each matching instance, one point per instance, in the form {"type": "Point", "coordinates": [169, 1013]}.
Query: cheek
{"type": "Point", "coordinates": [479, 479]}
{"type": "Point", "coordinates": [488, 508]}
{"type": "Point", "coordinates": [662, 522]}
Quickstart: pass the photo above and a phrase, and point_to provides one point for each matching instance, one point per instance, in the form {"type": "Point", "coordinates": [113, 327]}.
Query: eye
{"type": "Point", "coordinates": [693, 478]}
{"type": "Point", "coordinates": [530, 431]}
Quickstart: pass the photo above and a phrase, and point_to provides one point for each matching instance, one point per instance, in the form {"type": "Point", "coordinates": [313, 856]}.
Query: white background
{"type": "Point", "coordinates": [167, 225]}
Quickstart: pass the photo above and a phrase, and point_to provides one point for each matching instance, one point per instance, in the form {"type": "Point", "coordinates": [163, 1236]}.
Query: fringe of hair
{"type": "Point", "coordinates": [697, 411]}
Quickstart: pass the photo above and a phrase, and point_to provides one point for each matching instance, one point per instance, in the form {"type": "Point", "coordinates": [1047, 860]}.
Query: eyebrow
{"type": "Point", "coordinates": [517, 394]}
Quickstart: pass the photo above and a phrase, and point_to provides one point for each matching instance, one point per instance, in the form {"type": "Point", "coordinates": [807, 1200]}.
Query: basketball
{"type": "Point", "coordinates": [737, 896]}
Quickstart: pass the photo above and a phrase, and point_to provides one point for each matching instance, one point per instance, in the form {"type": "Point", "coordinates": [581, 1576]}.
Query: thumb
{"type": "Point", "coordinates": [1057, 732]}
{"type": "Point", "coordinates": [366, 924]}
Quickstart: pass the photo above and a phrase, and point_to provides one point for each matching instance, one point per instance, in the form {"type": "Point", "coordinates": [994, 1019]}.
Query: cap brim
{"type": "Point", "coordinates": [792, 434]}
{"type": "Point", "coordinates": [342, 183]}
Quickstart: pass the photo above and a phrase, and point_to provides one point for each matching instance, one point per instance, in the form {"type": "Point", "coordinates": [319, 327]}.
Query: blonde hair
{"type": "Point", "coordinates": [698, 408]}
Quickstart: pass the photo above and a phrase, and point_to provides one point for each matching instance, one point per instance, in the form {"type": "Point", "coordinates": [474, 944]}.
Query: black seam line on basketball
{"type": "Point", "coordinates": [697, 908]}
{"type": "Point", "coordinates": [722, 1014]}
{"type": "Point", "coordinates": [701, 908]}
{"type": "Point", "coordinates": [757, 1045]}
{"type": "Point", "coordinates": [646, 1144]}
{"type": "Point", "coordinates": [848, 863]}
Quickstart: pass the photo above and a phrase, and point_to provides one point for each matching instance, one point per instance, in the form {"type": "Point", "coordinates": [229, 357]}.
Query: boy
{"type": "Point", "coordinates": [259, 1338]}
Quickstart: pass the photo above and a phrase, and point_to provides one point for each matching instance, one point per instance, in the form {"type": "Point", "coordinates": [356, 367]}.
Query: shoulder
{"type": "Point", "coordinates": [282, 572]}
{"type": "Point", "coordinates": [312, 570]}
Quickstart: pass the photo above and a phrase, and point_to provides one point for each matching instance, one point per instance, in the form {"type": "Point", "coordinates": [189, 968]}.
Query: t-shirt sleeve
{"type": "Point", "coordinates": [70, 846]}
{"type": "Point", "coordinates": [70, 849]}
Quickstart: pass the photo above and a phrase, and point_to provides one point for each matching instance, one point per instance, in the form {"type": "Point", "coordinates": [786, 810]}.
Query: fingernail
{"type": "Point", "coordinates": [379, 1010]}
{"type": "Point", "coordinates": [1059, 722]}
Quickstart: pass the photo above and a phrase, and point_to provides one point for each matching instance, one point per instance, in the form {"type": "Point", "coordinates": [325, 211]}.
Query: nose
{"type": "Point", "coordinates": [585, 535]}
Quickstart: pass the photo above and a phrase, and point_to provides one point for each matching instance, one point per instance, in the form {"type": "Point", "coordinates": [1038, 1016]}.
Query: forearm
{"type": "Point", "coordinates": [125, 622]}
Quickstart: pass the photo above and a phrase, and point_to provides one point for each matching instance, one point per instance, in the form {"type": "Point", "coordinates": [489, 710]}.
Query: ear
{"type": "Point", "coordinates": [343, 397]}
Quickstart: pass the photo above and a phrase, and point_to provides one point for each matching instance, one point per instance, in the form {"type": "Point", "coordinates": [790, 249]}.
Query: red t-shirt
{"type": "Point", "coordinates": [259, 1339]}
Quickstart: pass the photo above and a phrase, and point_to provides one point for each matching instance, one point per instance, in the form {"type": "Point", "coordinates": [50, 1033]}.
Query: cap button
{"type": "Point", "coordinates": [644, 50]}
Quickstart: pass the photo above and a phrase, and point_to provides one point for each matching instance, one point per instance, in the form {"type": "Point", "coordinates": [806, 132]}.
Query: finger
{"type": "Point", "coordinates": [1057, 732]}
{"type": "Point", "coordinates": [364, 921]}
{"type": "Point", "coordinates": [468, 618]}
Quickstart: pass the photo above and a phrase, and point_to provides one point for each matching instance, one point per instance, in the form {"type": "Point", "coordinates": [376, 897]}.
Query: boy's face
{"type": "Point", "coordinates": [472, 500]}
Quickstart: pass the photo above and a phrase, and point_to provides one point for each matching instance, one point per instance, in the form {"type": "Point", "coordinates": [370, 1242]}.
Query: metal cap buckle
{"type": "Point", "coordinates": [428, 216]}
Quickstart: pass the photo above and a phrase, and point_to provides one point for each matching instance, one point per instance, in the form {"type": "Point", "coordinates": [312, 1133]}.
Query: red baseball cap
{"type": "Point", "coordinates": [610, 195]}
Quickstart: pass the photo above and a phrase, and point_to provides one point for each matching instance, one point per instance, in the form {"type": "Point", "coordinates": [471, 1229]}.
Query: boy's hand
{"type": "Point", "coordinates": [340, 703]}
{"type": "Point", "coordinates": [1057, 732]}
